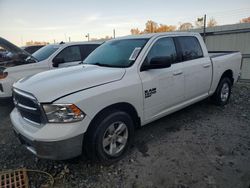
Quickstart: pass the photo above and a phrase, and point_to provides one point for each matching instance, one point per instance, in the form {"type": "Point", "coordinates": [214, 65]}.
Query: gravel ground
{"type": "Point", "coordinates": [201, 146]}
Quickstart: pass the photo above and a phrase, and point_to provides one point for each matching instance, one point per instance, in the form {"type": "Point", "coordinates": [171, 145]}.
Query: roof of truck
{"type": "Point", "coordinates": [74, 43]}
{"type": "Point", "coordinates": [150, 35]}
{"type": "Point", "coordinates": [77, 43]}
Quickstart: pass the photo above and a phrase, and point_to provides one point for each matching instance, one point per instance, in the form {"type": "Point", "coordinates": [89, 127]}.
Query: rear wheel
{"type": "Point", "coordinates": [109, 137]}
{"type": "Point", "coordinates": [223, 92]}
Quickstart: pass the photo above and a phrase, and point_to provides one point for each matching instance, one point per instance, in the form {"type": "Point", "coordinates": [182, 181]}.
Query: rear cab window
{"type": "Point", "coordinates": [190, 48]}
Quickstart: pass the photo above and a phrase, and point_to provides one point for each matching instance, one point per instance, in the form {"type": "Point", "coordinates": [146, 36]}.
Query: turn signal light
{"type": "Point", "coordinates": [76, 110]}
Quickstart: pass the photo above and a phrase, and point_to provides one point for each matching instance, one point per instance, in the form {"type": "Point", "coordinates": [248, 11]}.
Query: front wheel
{"type": "Point", "coordinates": [110, 137]}
{"type": "Point", "coordinates": [223, 92]}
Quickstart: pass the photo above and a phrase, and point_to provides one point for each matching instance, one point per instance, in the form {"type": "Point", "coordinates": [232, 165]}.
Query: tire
{"type": "Point", "coordinates": [223, 92]}
{"type": "Point", "coordinates": [109, 137]}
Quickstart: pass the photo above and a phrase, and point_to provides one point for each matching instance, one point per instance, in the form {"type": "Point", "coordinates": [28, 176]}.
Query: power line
{"type": "Point", "coordinates": [230, 11]}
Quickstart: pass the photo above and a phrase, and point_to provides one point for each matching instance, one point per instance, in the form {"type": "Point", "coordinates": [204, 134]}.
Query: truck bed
{"type": "Point", "coordinates": [213, 54]}
{"type": "Point", "coordinates": [224, 61]}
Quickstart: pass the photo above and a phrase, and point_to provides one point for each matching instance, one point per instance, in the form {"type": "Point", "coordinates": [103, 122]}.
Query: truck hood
{"type": "Point", "coordinates": [50, 85]}
{"type": "Point", "coordinates": [11, 47]}
{"type": "Point", "coordinates": [18, 56]}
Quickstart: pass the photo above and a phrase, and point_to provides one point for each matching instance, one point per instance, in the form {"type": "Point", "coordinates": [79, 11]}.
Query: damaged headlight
{"type": "Point", "coordinates": [63, 113]}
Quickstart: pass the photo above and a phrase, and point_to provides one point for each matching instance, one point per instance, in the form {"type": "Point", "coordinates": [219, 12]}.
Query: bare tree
{"type": "Point", "coordinates": [212, 22]}
{"type": "Point", "coordinates": [135, 31]}
{"type": "Point", "coordinates": [186, 26]}
{"type": "Point", "coordinates": [165, 28]}
{"type": "Point", "coordinates": [245, 20]}
{"type": "Point", "coordinates": [151, 27]}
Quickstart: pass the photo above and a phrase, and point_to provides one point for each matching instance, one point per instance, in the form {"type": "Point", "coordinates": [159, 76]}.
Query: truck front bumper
{"type": "Point", "coordinates": [50, 141]}
{"type": "Point", "coordinates": [55, 150]}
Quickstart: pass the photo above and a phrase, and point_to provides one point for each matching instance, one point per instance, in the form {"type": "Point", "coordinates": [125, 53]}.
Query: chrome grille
{"type": "Point", "coordinates": [28, 107]}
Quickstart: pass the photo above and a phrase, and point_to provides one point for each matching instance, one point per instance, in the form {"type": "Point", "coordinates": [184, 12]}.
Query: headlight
{"type": "Point", "coordinates": [63, 113]}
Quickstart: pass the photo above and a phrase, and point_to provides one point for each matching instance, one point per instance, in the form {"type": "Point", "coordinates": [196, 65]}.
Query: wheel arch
{"type": "Point", "coordinates": [229, 74]}
{"type": "Point", "coordinates": [122, 106]}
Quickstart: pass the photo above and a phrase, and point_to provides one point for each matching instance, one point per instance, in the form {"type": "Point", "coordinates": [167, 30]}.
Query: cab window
{"type": "Point", "coordinates": [190, 48]}
{"type": "Point", "coordinates": [70, 54]}
{"type": "Point", "coordinates": [87, 49]}
{"type": "Point", "coordinates": [163, 48]}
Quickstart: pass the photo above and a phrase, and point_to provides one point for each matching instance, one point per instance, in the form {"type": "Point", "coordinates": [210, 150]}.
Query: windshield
{"type": "Point", "coordinates": [116, 53]}
{"type": "Point", "coordinates": [44, 52]}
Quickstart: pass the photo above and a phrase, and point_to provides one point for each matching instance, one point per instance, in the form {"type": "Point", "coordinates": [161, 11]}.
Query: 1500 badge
{"type": "Point", "coordinates": [149, 92]}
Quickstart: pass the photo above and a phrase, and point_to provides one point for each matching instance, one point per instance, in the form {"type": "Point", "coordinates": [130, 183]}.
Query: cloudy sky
{"type": "Point", "coordinates": [49, 20]}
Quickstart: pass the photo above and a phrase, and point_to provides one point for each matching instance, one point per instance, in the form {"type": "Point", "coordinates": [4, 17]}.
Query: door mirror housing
{"type": "Point", "coordinates": [157, 63]}
{"type": "Point", "coordinates": [57, 61]}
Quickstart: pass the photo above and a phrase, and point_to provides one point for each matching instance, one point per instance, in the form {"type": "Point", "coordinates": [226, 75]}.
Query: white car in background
{"type": "Point", "coordinates": [46, 58]}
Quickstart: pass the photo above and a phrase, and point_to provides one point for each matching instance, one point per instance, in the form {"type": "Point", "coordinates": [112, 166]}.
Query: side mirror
{"type": "Point", "coordinates": [158, 63]}
{"type": "Point", "coordinates": [57, 61]}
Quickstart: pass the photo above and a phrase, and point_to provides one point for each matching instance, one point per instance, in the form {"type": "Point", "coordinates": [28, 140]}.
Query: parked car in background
{"type": "Point", "coordinates": [3, 54]}
{"type": "Point", "coordinates": [33, 48]}
{"type": "Point", "coordinates": [125, 83]}
{"type": "Point", "coordinates": [46, 58]}
{"type": "Point", "coordinates": [11, 54]}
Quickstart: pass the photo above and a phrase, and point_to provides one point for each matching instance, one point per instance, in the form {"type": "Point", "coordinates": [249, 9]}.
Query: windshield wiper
{"type": "Point", "coordinates": [30, 57]}
{"type": "Point", "coordinates": [34, 58]}
{"type": "Point", "coordinates": [102, 64]}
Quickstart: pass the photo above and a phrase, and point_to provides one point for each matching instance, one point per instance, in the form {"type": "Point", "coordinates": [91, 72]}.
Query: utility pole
{"type": "Point", "coordinates": [87, 36]}
{"type": "Point", "coordinates": [114, 33]}
{"type": "Point", "coordinates": [204, 28]}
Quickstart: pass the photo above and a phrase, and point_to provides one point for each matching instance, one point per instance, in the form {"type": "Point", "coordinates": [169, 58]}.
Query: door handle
{"type": "Point", "coordinates": [177, 73]}
{"type": "Point", "coordinates": [206, 65]}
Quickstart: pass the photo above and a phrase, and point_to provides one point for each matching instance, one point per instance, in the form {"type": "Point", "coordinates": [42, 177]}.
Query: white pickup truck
{"type": "Point", "coordinates": [46, 58]}
{"type": "Point", "coordinates": [125, 83]}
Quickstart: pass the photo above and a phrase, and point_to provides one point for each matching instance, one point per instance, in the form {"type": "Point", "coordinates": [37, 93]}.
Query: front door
{"type": "Point", "coordinates": [164, 87]}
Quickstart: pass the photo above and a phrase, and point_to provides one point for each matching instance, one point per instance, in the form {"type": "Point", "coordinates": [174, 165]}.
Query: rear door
{"type": "Point", "coordinates": [164, 87]}
{"type": "Point", "coordinates": [197, 68]}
